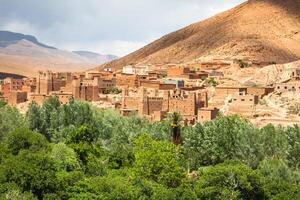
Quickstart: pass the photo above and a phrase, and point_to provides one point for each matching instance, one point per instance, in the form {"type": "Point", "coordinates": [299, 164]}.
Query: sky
{"type": "Point", "coordinates": [115, 27]}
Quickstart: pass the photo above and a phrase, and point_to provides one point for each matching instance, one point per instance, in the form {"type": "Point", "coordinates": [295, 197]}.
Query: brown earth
{"type": "Point", "coordinates": [260, 30]}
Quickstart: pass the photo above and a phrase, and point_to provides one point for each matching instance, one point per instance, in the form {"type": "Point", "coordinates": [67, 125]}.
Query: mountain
{"type": "Point", "coordinates": [8, 38]}
{"type": "Point", "coordinates": [25, 55]}
{"type": "Point", "coordinates": [260, 30]}
{"type": "Point", "coordinates": [95, 57]}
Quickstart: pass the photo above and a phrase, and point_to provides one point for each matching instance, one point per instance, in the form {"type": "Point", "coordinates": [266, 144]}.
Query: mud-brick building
{"type": "Point", "coordinates": [48, 82]}
{"type": "Point", "coordinates": [157, 85]}
{"type": "Point", "coordinates": [222, 92]}
{"type": "Point", "coordinates": [155, 105]}
{"type": "Point", "coordinates": [291, 86]}
{"type": "Point", "coordinates": [207, 114]}
{"type": "Point", "coordinates": [260, 91]}
{"type": "Point", "coordinates": [16, 97]}
{"type": "Point", "coordinates": [243, 102]}
{"type": "Point", "coordinates": [127, 80]}
{"type": "Point", "coordinates": [87, 90]}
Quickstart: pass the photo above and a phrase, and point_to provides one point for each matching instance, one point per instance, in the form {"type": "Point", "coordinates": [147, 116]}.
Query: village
{"type": "Point", "coordinates": [200, 92]}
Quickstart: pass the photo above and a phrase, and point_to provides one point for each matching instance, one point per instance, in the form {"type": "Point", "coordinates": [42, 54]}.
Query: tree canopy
{"type": "Point", "coordinates": [77, 151]}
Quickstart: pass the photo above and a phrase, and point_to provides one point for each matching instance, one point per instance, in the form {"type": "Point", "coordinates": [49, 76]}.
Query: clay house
{"type": "Point", "coordinates": [177, 72]}
{"type": "Point", "coordinates": [127, 80]}
{"type": "Point", "coordinates": [63, 97]}
{"type": "Point", "coordinates": [14, 84]}
{"type": "Point", "coordinates": [153, 75]}
{"type": "Point", "coordinates": [207, 114]}
{"type": "Point", "coordinates": [106, 84]}
{"type": "Point", "coordinates": [48, 82]}
{"type": "Point", "coordinates": [29, 85]}
{"type": "Point", "coordinates": [157, 85]}
{"type": "Point", "coordinates": [138, 69]}
{"type": "Point", "coordinates": [86, 89]}
{"type": "Point", "coordinates": [222, 92]}
{"type": "Point", "coordinates": [260, 91]}
{"type": "Point", "coordinates": [16, 97]}
{"type": "Point", "coordinates": [290, 86]}
{"type": "Point", "coordinates": [155, 105]}
{"type": "Point", "coordinates": [178, 83]}
{"type": "Point", "coordinates": [11, 84]}
{"type": "Point", "coordinates": [5, 89]}
{"type": "Point", "coordinates": [295, 75]}
{"type": "Point", "coordinates": [38, 98]}
{"type": "Point", "coordinates": [92, 75]}
{"type": "Point", "coordinates": [243, 102]}
{"type": "Point", "coordinates": [246, 99]}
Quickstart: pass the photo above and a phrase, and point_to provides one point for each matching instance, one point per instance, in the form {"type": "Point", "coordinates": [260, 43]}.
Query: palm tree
{"type": "Point", "coordinates": [175, 120]}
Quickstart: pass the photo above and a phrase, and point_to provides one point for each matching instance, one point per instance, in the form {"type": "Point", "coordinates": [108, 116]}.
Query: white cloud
{"type": "Point", "coordinates": [110, 26]}
{"type": "Point", "coordinates": [18, 26]}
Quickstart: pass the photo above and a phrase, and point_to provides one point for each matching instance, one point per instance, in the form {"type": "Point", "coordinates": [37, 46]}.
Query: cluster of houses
{"type": "Point", "coordinates": [148, 91]}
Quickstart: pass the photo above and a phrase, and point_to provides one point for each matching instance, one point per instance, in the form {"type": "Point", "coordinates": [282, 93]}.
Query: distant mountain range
{"type": "Point", "coordinates": [259, 30]}
{"type": "Point", "coordinates": [95, 57]}
{"type": "Point", "coordinates": [25, 55]}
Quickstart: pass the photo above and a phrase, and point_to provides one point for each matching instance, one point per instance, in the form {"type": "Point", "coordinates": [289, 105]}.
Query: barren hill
{"type": "Point", "coordinates": [25, 55]}
{"type": "Point", "coordinates": [260, 30]}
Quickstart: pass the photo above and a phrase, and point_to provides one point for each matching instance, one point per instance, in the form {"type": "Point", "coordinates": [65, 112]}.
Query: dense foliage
{"type": "Point", "coordinates": [76, 151]}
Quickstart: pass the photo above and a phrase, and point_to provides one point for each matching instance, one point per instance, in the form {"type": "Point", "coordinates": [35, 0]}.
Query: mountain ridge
{"type": "Point", "coordinates": [8, 38]}
{"type": "Point", "coordinates": [262, 30]}
{"type": "Point", "coordinates": [25, 55]}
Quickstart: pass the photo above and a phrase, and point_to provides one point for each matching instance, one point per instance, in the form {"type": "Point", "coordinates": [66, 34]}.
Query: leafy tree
{"type": "Point", "coordinates": [277, 179]}
{"type": "Point", "coordinates": [230, 180]}
{"type": "Point", "coordinates": [111, 188]}
{"type": "Point", "coordinates": [31, 171]}
{"type": "Point", "coordinates": [226, 138]}
{"type": "Point", "coordinates": [2, 102]}
{"type": "Point", "coordinates": [34, 117]}
{"type": "Point", "coordinates": [23, 138]}
{"type": "Point", "coordinates": [10, 119]}
{"type": "Point", "coordinates": [293, 136]}
{"type": "Point", "coordinates": [65, 157]}
{"type": "Point", "coordinates": [83, 141]}
{"type": "Point", "coordinates": [49, 113]}
{"type": "Point", "coordinates": [274, 142]}
{"type": "Point", "coordinates": [11, 191]}
{"type": "Point", "coordinates": [159, 161]}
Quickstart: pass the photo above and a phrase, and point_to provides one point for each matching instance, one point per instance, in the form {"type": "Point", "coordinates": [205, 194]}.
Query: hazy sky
{"type": "Point", "coordinates": [104, 26]}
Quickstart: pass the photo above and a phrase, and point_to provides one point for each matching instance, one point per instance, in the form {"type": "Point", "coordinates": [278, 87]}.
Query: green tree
{"type": "Point", "coordinates": [34, 117]}
{"type": "Point", "coordinates": [230, 180]}
{"type": "Point", "coordinates": [22, 138]}
{"type": "Point", "coordinates": [49, 113]}
{"type": "Point", "coordinates": [65, 157]}
{"type": "Point", "coordinates": [159, 161]}
{"type": "Point", "coordinates": [293, 136]}
{"type": "Point", "coordinates": [2, 102]}
{"type": "Point", "coordinates": [226, 138]}
{"type": "Point", "coordinates": [274, 142]}
{"type": "Point", "coordinates": [31, 171]}
{"type": "Point", "coordinates": [175, 126]}
{"type": "Point", "coordinates": [277, 179]}
{"type": "Point", "coordinates": [10, 119]}
{"type": "Point", "coordinates": [110, 188]}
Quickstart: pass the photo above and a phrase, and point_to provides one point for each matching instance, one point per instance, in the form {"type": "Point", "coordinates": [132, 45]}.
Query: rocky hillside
{"type": "Point", "coordinates": [260, 30]}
